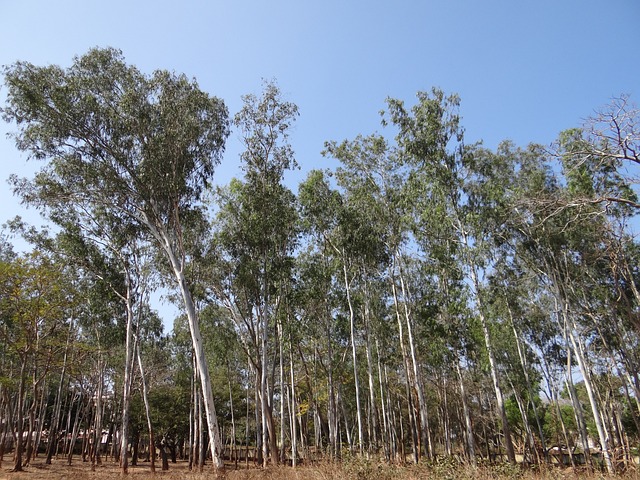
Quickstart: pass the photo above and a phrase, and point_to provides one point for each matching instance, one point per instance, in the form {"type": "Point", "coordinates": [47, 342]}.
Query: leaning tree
{"type": "Point", "coordinates": [141, 147]}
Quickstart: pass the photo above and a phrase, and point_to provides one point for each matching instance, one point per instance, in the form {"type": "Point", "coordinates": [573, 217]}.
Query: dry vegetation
{"type": "Point", "coordinates": [347, 470]}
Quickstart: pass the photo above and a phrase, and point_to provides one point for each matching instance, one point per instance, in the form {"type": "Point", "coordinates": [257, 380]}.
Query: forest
{"type": "Point", "coordinates": [428, 300]}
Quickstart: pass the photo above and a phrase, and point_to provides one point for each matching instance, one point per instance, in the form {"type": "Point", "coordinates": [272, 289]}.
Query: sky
{"type": "Point", "coordinates": [525, 70]}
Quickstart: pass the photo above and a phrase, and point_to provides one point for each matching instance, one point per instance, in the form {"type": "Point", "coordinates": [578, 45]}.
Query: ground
{"type": "Point", "coordinates": [354, 469]}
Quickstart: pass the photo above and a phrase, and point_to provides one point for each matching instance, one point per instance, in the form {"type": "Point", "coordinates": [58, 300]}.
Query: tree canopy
{"type": "Point", "coordinates": [428, 298]}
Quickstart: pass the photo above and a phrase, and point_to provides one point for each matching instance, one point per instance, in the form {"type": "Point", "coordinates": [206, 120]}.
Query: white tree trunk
{"type": "Point", "coordinates": [511, 455]}
{"type": "Point", "coordinates": [355, 362]}
{"type": "Point", "coordinates": [422, 402]}
{"type": "Point", "coordinates": [126, 393]}
{"type": "Point", "coordinates": [595, 408]}
{"type": "Point", "coordinates": [205, 379]}
{"type": "Point", "coordinates": [177, 265]}
{"type": "Point", "coordinates": [471, 451]}
{"type": "Point", "coordinates": [147, 410]}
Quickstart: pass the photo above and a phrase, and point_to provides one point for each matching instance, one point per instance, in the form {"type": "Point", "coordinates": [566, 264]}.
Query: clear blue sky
{"type": "Point", "coordinates": [525, 70]}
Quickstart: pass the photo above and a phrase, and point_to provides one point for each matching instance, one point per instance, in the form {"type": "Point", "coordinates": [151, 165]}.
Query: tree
{"type": "Point", "coordinates": [604, 157]}
{"type": "Point", "coordinates": [257, 232]}
{"type": "Point", "coordinates": [142, 147]}
{"type": "Point", "coordinates": [463, 187]}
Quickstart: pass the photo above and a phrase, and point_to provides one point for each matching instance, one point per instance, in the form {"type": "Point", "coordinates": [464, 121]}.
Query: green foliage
{"type": "Point", "coordinates": [418, 246]}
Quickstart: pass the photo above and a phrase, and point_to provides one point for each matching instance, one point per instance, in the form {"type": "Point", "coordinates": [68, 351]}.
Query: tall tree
{"type": "Point", "coordinates": [142, 147]}
{"type": "Point", "coordinates": [462, 189]}
{"type": "Point", "coordinates": [257, 232]}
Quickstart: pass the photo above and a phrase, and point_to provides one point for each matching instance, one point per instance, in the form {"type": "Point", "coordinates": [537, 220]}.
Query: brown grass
{"type": "Point", "coordinates": [358, 469]}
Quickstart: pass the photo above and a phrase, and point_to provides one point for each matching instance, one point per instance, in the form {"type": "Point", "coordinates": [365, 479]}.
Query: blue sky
{"type": "Point", "coordinates": [525, 70]}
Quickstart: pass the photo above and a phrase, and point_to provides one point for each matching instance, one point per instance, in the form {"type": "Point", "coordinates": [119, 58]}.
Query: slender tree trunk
{"type": "Point", "coordinates": [602, 434]}
{"type": "Point", "coordinates": [76, 427]}
{"type": "Point", "coordinates": [97, 437]}
{"type": "Point", "coordinates": [405, 361]}
{"type": "Point", "coordinates": [202, 451]}
{"type": "Point", "coordinates": [386, 430]}
{"type": "Point", "coordinates": [126, 388]}
{"type": "Point", "coordinates": [373, 415]}
{"type": "Point", "coordinates": [356, 381]}
{"type": "Point", "coordinates": [471, 451]}
{"type": "Point", "coordinates": [445, 416]}
{"type": "Point", "coordinates": [192, 415]}
{"type": "Point", "coordinates": [147, 411]}
{"type": "Point", "coordinates": [347, 430]}
{"type": "Point", "coordinates": [264, 402]}
{"type": "Point", "coordinates": [28, 450]}
{"type": "Point", "coordinates": [417, 375]}
{"type": "Point", "coordinates": [55, 421]}
{"type": "Point", "coordinates": [525, 370]}
{"type": "Point", "coordinates": [246, 425]}
{"type": "Point", "coordinates": [528, 433]}
{"type": "Point", "coordinates": [294, 436]}
{"type": "Point", "coordinates": [205, 379]}
{"type": "Point", "coordinates": [493, 367]}
{"type": "Point", "coordinates": [282, 390]}
{"type": "Point", "coordinates": [332, 408]}
{"type": "Point", "coordinates": [570, 328]}
{"type": "Point", "coordinates": [234, 453]}
{"type": "Point", "coordinates": [41, 415]}
{"type": "Point", "coordinates": [17, 467]}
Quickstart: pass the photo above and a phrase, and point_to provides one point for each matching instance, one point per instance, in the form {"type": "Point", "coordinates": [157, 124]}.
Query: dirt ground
{"type": "Point", "coordinates": [108, 470]}
{"type": "Point", "coordinates": [59, 470]}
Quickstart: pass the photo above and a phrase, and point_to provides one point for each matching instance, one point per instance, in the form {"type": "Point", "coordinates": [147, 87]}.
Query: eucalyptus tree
{"type": "Point", "coordinates": [317, 333]}
{"type": "Point", "coordinates": [558, 238]}
{"type": "Point", "coordinates": [461, 186]}
{"type": "Point", "coordinates": [256, 233]}
{"type": "Point", "coordinates": [367, 178]}
{"type": "Point", "coordinates": [140, 147]}
{"type": "Point", "coordinates": [375, 178]}
{"type": "Point", "coordinates": [351, 240]}
{"type": "Point", "coordinates": [583, 270]}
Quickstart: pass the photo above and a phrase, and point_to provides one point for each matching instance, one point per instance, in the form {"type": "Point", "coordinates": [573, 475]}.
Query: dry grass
{"type": "Point", "coordinates": [358, 469]}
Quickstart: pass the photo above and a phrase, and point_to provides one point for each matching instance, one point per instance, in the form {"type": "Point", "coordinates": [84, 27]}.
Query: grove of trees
{"type": "Point", "coordinates": [428, 298]}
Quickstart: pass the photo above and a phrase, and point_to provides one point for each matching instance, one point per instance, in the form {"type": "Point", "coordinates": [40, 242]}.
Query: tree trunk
{"type": "Point", "coordinates": [126, 387]}
{"type": "Point", "coordinates": [405, 362]}
{"type": "Point", "coordinates": [147, 411]}
{"type": "Point", "coordinates": [471, 451]}
{"type": "Point", "coordinates": [373, 415]}
{"type": "Point", "coordinates": [97, 436]}
{"type": "Point", "coordinates": [293, 412]}
{"type": "Point", "coordinates": [417, 375]}
{"type": "Point", "coordinates": [511, 455]}
{"type": "Point", "coordinates": [17, 466]}
{"type": "Point", "coordinates": [52, 444]}
{"type": "Point", "coordinates": [264, 403]}
{"type": "Point", "coordinates": [525, 370]}
{"type": "Point", "coordinates": [192, 416]}
{"type": "Point", "coordinates": [352, 330]}
{"type": "Point", "coordinates": [282, 391]}
{"type": "Point", "coordinates": [602, 434]}
{"type": "Point", "coordinates": [386, 430]}
{"type": "Point", "coordinates": [215, 442]}
{"type": "Point", "coordinates": [41, 415]}
{"type": "Point", "coordinates": [80, 413]}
